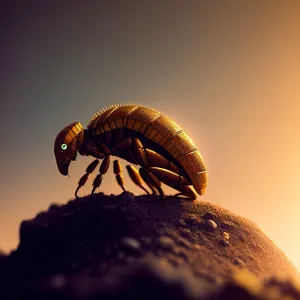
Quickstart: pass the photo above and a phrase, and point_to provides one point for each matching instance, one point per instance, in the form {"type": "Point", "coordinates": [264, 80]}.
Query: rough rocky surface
{"type": "Point", "coordinates": [126, 247]}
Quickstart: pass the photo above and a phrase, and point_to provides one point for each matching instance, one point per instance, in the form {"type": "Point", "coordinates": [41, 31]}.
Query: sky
{"type": "Point", "coordinates": [227, 72]}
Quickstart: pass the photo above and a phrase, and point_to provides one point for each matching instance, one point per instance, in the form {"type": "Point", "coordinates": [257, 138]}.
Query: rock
{"type": "Point", "coordinates": [161, 224]}
{"type": "Point", "coordinates": [239, 262]}
{"type": "Point", "coordinates": [181, 222]}
{"type": "Point", "coordinates": [98, 253]}
{"type": "Point", "coordinates": [58, 281]}
{"type": "Point", "coordinates": [127, 198]}
{"type": "Point", "coordinates": [165, 242]}
{"type": "Point", "coordinates": [65, 215]}
{"type": "Point", "coordinates": [130, 244]}
{"type": "Point", "coordinates": [54, 206]}
{"type": "Point", "coordinates": [185, 243]}
{"type": "Point", "coordinates": [211, 225]}
{"type": "Point", "coordinates": [242, 238]}
{"type": "Point", "coordinates": [192, 219]}
{"type": "Point", "coordinates": [209, 216]}
{"type": "Point", "coordinates": [186, 232]}
{"type": "Point", "coordinates": [198, 247]}
{"type": "Point", "coordinates": [227, 225]}
{"type": "Point", "coordinates": [225, 235]}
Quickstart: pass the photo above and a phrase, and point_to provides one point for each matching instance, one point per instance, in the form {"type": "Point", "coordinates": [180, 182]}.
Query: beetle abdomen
{"type": "Point", "coordinates": [158, 128]}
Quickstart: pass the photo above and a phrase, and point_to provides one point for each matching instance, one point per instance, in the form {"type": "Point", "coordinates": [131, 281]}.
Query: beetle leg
{"type": "Point", "coordinates": [136, 177]}
{"type": "Point", "coordinates": [187, 191]}
{"type": "Point", "coordinates": [118, 172]}
{"type": "Point", "coordinates": [155, 159]}
{"type": "Point", "coordinates": [91, 167]}
{"type": "Point", "coordinates": [140, 153]}
{"type": "Point", "coordinates": [102, 170]}
{"type": "Point", "coordinates": [153, 189]}
{"type": "Point", "coordinates": [153, 181]}
{"type": "Point", "coordinates": [176, 181]}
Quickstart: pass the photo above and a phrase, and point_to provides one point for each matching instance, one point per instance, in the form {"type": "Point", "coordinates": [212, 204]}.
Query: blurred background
{"type": "Point", "coordinates": [227, 71]}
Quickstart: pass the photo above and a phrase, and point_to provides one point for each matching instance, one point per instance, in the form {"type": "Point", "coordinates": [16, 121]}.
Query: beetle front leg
{"type": "Point", "coordinates": [91, 167]}
{"type": "Point", "coordinates": [103, 169]}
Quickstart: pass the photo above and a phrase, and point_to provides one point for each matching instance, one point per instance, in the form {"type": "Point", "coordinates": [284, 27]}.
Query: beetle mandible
{"type": "Point", "coordinates": [142, 136]}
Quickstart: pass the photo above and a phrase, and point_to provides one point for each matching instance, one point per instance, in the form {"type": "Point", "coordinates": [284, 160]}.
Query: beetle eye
{"type": "Point", "coordinates": [64, 146]}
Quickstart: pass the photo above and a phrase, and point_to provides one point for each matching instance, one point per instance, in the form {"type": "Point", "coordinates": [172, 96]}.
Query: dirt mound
{"type": "Point", "coordinates": [125, 246]}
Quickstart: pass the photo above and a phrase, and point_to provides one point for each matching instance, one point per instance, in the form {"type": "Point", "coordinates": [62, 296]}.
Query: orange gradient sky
{"type": "Point", "coordinates": [227, 71]}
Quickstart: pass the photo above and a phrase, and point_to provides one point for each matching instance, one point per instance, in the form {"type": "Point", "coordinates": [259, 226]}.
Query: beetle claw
{"type": "Point", "coordinates": [79, 186]}
{"type": "Point", "coordinates": [91, 167]}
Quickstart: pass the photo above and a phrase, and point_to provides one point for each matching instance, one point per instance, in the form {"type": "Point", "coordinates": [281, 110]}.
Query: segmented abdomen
{"type": "Point", "coordinates": [158, 128]}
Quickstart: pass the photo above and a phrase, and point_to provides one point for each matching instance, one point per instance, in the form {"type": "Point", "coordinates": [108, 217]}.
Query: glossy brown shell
{"type": "Point", "coordinates": [161, 130]}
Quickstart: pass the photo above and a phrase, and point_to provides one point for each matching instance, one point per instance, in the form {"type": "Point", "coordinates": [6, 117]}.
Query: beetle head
{"type": "Point", "coordinates": [66, 144]}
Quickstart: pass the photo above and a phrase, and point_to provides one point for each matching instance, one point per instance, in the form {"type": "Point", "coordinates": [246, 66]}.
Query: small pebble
{"type": "Point", "coordinates": [181, 222]}
{"type": "Point", "coordinates": [211, 225]}
{"type": "Point", "coordinates": [128, 198]}
{"type": "Point", "coordinates": [130, 244]}
{"type": "Point", "coordinates": [227, 225]}
{"type": "Point", "coordinates": [198, 247]}
{"type": "Point", "coordinates": [209, 216]}
{"type": "Point", "coordinates": [226, 235]}
{"type": "Point", "coordinates": [54, 206]}
{"type": "Point", "coordinates": [165, 242]}
{"type": "Point", "coordinates": [239, 262]}
{"type": "Point", "coordinates": [177, 261]}
{"type": "Point", "coordinates": [192, 218]}
{"type": "Point", "coordinates": [65, 215]}
{"type": "Point", "coordinates": [185, 243]}
{"type": "Point", "coordinates": [162, 224]}
{"type": "Point", "coordinates": [186, 232]}
{"type": "Point", "coordinates": [176, 250]}
{"type": "Point", "coordinates": [58, 281]}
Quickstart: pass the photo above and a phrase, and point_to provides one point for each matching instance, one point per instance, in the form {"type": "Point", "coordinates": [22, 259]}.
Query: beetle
{"type": "Point", "coordinates": [142, 136]}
